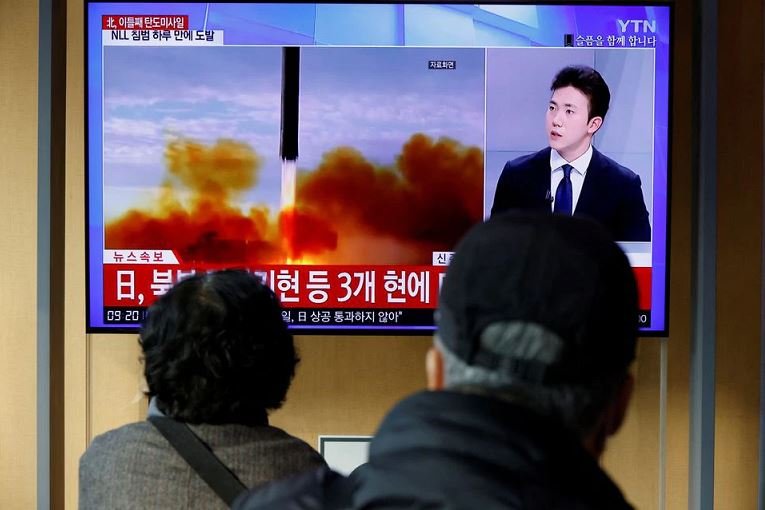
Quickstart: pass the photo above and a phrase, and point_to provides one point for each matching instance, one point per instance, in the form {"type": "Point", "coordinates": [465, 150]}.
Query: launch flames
{"type": "Point", "coordinates": [347, 210]}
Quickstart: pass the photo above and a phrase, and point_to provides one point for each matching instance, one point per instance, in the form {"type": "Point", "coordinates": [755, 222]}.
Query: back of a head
{"type": "Point", "coordinates": [216, 349]}
{"type": "Point", "coordinates": [541, 306]}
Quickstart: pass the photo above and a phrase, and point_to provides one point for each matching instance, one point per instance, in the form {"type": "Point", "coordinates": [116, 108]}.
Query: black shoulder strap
{"type": "Point", "coordinates": [200, 458]}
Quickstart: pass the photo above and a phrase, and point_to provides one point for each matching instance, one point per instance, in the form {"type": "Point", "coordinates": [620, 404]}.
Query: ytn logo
{"type": "Point", "coordinates": [638, 25]}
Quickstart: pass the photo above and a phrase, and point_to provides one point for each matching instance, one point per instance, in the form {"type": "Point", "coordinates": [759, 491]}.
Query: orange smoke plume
{"type": "Point", "coordinates": [424, 203]}
{"type": "Point", "coordinates": [347, 211]}
{"type": "Point", "coordinates": [210, 229]}
{"type": "Point", "coordinates": [306, 233]}
{"type": "Point", "coordinates": [217, 172]}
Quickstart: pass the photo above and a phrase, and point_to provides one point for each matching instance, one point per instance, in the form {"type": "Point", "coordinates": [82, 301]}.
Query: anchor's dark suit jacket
{"type": "Point", "coordinates": [611, 193]}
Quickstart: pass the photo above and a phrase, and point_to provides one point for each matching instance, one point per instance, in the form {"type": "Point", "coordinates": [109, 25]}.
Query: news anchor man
{"type": "Point", "coordinates": [570, 176]}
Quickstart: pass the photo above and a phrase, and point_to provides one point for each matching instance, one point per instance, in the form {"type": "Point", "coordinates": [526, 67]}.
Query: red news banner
{"type": "Point", "coordinates": [399, 287]}
{"type": "Point", "coordinates": [144, 22]}
{"type": "Point", "coordinates": [379, 287]}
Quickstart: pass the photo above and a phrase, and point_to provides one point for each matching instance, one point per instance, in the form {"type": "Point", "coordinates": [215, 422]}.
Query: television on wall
{"type": "Point", "coordinates": [340, 151]}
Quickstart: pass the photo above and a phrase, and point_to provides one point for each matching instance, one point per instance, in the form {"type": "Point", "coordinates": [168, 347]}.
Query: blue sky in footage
{"type": "Point", "coordinates": [152, 95]}
{"type": "Point", "coordinates": [372, 99]}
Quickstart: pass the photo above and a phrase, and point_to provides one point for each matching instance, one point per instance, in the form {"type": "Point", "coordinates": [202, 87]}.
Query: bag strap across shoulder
{"type": "Point", "coordinates": [199, 456]}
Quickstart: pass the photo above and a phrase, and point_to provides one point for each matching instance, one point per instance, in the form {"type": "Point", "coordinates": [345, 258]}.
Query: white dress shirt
{"type": "Point", "coordinates": [578, 173]}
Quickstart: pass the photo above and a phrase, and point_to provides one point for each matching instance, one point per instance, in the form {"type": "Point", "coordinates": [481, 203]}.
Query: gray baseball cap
{"type": "Point", "coordinates": [546, 298]}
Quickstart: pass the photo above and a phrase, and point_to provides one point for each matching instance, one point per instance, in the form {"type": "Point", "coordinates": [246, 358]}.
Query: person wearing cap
{"type": "Point", "coordinates": [529, 376]}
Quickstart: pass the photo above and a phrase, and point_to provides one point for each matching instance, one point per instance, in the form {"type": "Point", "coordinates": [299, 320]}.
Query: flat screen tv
{"type": "Point", "coordinates": [340, 151]}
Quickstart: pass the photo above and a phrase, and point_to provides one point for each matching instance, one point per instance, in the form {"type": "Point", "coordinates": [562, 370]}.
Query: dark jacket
{"type": "Point", "coordinates": [135, 467]}
{"type": "Point", "coordinates": [611, 193]}
{"type": "Point", "coordinates": [445, 450]}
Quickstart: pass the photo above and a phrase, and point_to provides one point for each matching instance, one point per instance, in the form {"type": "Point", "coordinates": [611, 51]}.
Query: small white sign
{"type": "Point", "coordinates": [153, 257]}
{"type": "Point", "coordinates": [344, 453]}
{"type": "Point", "coordinates": [442, 258]}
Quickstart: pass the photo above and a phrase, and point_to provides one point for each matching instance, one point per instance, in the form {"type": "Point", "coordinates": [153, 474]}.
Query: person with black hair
{"type": "Point", "coordinates": [217, 357]}
{"type": "Point", "coordinates": [570, 176]}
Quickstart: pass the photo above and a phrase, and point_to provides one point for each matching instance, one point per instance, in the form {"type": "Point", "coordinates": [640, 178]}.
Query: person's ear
{"type": "Point", "coordinates": [594, 124]}
{"type": "Point", "coordinates": [611, 420]}
{"type": "Point", "coordinates": [618, 410]}
{"type": "Point", "coordinates": [434, 367]}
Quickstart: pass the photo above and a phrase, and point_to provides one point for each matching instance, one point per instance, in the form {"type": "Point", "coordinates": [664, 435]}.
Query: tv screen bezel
{"type": "Point", "coordinates": [387, 331]}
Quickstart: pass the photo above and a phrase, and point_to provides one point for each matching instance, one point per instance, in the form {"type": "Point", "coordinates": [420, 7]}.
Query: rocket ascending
{"type": "Point", "coordinates": [289, 143]}
{"type": "Point", "coordinates": [289, 129]}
